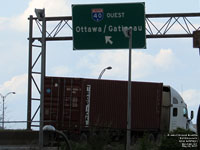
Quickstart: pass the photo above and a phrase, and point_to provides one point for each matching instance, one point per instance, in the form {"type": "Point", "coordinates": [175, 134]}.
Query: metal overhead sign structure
{"type": "Point", "coordinates": [168, 21]}
{"type": "Point", "coordinates": [100, 26]}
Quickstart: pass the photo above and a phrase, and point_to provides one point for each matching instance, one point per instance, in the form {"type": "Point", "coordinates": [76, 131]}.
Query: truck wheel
{"type": "Point", "coordinates": [151, 138]}
{"type": "Point", "coordinates": [159, 139]}
{"type": "Point", "coordinates": [133, 140]}
{"type": "Point", "coordinates": [83, 137]}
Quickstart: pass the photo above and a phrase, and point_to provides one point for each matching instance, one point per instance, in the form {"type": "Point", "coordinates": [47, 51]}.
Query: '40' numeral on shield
{"type": "Point", "coordinates": [97, 14]}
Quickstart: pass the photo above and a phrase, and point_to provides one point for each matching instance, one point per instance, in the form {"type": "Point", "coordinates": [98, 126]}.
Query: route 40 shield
{"type": "Point", "coordinates": [97, 14]}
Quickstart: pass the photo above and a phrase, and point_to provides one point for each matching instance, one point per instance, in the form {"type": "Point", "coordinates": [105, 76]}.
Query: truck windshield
{"type": "Point", "coordinates": [185, 114]}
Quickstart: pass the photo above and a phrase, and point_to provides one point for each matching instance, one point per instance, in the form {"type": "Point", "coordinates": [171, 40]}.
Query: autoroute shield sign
{"type": "Point", "coordinates": [100, 26]}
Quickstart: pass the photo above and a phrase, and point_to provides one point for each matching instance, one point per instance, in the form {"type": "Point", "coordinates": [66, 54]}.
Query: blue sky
{"type": "Point", "coordinates": [172, 61]}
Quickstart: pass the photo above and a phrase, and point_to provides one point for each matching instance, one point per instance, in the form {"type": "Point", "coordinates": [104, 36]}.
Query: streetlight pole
{"type": "Point", "coordinates": [128, 34]}
{"type": "Point", "coordinates": [3, 98]}
{"type": "Point", "coordinates": [102, 72]}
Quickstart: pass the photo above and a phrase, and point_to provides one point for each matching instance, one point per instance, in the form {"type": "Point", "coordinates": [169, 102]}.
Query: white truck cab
{"type": "Point", "coordinates": [179, 113]}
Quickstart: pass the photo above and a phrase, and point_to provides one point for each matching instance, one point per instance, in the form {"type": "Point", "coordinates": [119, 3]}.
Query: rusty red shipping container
{"type": "Point", "coordinates": [77, 103]}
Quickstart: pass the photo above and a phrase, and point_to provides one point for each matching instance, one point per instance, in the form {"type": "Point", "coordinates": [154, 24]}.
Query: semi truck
{"type": "Point", "coordinates": [78, 104]}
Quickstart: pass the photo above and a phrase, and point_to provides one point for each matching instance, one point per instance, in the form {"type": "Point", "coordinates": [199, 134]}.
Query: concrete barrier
{"type": "Point", "coordinates": [18, 137]}
{"type": "Point", "coordinates": [18, 147]}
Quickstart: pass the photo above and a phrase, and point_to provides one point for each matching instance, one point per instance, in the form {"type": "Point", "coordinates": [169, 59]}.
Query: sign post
{"type": "Point", "coordinates": [128, 34]}
{"type": "Point", "coordinates": [100, 26]}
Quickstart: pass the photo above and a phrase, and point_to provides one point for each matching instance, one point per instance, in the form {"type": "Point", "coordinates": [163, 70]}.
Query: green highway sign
{"type": "Point", "coordinates": [100, 26]}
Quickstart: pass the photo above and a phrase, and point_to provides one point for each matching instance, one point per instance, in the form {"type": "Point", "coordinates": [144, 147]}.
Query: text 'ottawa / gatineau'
{"type": "Point", "coordinates": [105, 28]}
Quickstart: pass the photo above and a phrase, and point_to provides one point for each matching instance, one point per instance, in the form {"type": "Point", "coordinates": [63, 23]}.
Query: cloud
{"type": "Point", "coordinates": [192, 97]}
{"type": "Point", "coordinates": [52, 8]}
{"type": "Point", "coordinates": [16, 104]}
{"type": "Point", "coordinates": [17, 84]}
{"type": "Point", "coordinates": [143, 64]}
{"type": "Point", "coordinates": [4, 22]}
{"type": "Point", "coordinates": [60, 71]}
{"type": "Point", "coordinates": [165, 58]}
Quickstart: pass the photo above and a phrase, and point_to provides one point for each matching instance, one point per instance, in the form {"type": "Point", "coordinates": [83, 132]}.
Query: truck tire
{"type": "Point", "coordinates": [159, 139]}
{"type": "Point", "coordinates": [151, 138]}
{"type": "Point", "coordinates": [133, 140]}
{"type": "Point", "coordinates": [83, 137]}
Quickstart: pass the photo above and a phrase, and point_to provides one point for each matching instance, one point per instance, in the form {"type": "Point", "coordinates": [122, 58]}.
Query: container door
{"type": "Point", "coordinates": [62, 102]}
{"type": "Point", "coordinates": [72, 104]}
{"type": "Point", "coordinates": [53, 102]}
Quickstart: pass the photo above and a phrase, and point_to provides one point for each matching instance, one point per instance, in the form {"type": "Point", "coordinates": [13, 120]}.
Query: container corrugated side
{"type": "Point", "coordinates": [66, 100]}
{"type": "Point", "coordinates": [108, 105]}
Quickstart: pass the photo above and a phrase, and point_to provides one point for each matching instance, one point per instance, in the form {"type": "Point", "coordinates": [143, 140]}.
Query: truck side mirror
{"type": "Point", "coordinates": [192, 115]}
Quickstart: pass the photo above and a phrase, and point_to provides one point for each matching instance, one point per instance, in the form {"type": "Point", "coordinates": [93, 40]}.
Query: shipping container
{"type": "Point", "coordinates": [75, 104]}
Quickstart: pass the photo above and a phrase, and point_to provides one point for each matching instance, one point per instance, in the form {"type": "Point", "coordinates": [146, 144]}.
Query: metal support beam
{"type": "Point", "coordinates": [29, 73]}
{"type": "Point", "coordinates": [43, 73]}
{"type": "Point", "coordinates": [173, 15]}
{"type": "Point", "coordinates": [169, 36]}
{"type": "Point", "coordinates": [128, 136]}
{"type": "Point", "coordinates": [184, 22]}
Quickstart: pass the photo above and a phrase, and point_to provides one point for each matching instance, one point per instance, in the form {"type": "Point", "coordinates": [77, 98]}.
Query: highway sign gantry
{"type": "Point", "coordinates": [100, 26]}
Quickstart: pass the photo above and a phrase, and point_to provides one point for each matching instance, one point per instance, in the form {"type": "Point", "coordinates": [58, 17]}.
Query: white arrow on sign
{"type": "Point", "coordinates": [108, 39]}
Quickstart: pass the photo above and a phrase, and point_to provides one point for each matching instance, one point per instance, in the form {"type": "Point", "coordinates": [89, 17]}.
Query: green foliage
{"type": "Point", "coordinates": [87, 146]}
{"type": "Point", "coordinates": [98, 140]}
{"type": "Point", "coordinates": [101, 140]}
{"type": "Point", "coordinates": [115, 146]}
{"type": "Point", "coordinates": [146, 142]}
{"type": "Point", "coordinates": [80, 146]}
{"type": "Point", "coordinates": [171, 140]}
